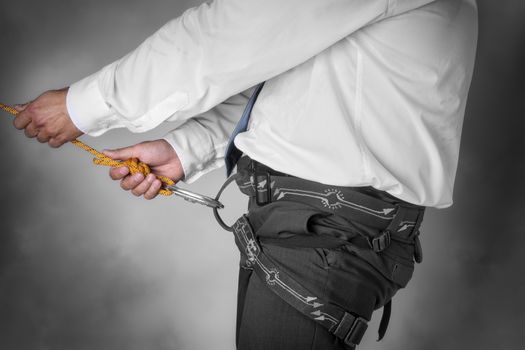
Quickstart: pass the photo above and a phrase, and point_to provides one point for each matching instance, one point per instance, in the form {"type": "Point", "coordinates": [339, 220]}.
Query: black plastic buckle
{"type": "Point", "coordinates": [381, 242]}
{"type": "Point", "coordinates": [356, 332]}
{"type": "Point", "coordinates": [263, 189]}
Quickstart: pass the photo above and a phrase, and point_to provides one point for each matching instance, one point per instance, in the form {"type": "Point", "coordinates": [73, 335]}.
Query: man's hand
{"type": "Point", "coordinates": [159, 155]}
{"type": "Point", "coordinates": [47, 119]}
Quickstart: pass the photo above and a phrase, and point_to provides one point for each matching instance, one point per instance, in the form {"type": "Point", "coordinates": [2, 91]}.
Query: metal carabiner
{"type": "Point", "coordinates": [195, 197]}
{"type": "Point", "coordinates": [218, 196]}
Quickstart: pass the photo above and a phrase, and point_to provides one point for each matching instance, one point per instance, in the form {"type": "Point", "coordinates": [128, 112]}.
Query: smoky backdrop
{"type": "Point", "coordinates": [85, 265]}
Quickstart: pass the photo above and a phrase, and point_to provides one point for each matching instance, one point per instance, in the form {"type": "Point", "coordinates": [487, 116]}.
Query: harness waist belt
{"type": "Point", "coordinates": [395, 219]}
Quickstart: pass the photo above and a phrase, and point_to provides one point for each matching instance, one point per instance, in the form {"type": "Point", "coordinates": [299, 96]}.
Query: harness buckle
{"type": "Point", "coordinates": [381, 242]}
{"type": "Point", "coordinates": [356, 329]}
{"type": "Point", "coordinates": [263, 190]}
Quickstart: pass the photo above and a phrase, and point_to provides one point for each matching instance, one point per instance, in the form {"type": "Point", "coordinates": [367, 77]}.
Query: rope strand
{"type": "Point", "coordinates": [134, 164]}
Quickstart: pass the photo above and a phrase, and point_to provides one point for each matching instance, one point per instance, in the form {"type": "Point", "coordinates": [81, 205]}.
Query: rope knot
{"type": "Point", "coordinates": [136, 166]}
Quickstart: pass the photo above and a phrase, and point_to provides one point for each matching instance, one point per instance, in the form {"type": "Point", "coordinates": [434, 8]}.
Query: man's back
{"type": "Point", "coordinates": [382, 107]}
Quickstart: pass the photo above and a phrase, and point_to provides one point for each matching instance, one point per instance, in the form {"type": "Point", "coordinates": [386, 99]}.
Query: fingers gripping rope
{"type": "Point", "coordinates": [134, 165]}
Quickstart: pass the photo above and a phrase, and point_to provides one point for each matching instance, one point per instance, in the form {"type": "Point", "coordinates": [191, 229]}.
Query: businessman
{"type": "Point", "coordinates": [355, 131]}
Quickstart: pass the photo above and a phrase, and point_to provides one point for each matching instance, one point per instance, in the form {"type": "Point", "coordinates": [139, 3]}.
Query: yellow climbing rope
{"type": "Point", "coordinates": [134, 165]}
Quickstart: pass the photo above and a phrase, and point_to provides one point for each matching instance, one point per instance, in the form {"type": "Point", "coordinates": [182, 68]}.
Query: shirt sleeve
{"type": "Point", "coordinates": [201, 141]}
{"type": "Point", "coordinates": [212, 52]}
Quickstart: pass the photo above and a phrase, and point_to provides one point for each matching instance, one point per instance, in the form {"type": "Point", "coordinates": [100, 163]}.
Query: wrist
{"type": "Point", "coordinates": [176, 158]}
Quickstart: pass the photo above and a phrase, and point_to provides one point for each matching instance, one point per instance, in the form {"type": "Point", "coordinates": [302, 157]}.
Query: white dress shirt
{"type": "Point", "coordinates": [357, 93]}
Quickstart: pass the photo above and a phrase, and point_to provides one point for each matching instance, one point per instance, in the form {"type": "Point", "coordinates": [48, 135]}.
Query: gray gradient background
{"type": "Point", "coordinates": [84, 265]}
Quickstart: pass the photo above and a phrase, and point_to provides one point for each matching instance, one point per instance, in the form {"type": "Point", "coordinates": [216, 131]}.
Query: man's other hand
{"type": "Point", "coordinates": [159, 155]}
{"type": "Point", "coordinates": [47, 119]}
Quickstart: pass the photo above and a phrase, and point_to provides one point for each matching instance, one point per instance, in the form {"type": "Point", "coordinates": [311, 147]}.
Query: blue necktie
{"type": "Point", "coordinates": [233, 154]}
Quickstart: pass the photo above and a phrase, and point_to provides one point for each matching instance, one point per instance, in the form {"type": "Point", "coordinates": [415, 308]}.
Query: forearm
{"type": "Point", "coordinates": [212, 52]}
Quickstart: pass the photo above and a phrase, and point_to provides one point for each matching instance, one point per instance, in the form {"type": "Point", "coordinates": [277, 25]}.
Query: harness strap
{"type": "Point", "coordinates": [342, 200]}
{"type": "Point", "coordinates": [346, 326]}
{"type": "Point", "coordinates": [349, 202]}
{"type": "Point", "coordinates": [385, 319]}
{"type": "Point", "coordinates": [397, 222]}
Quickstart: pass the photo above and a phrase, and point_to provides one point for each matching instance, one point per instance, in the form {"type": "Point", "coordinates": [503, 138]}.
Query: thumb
{"type": "Point", "coordinates": [120, 153]}
{"type": "Point", "coordinates": [20, 107]}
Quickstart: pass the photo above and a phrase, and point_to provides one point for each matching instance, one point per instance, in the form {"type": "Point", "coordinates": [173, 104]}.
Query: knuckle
{"type": "Point", "coordinates": [50, 131]}
{"type": "Point", "coordinates": [19, 123]}
{"type": "Point", "coordinates": [59, 138]}
{"type": "Point", "coordinates": [151, 195]}
{"type": "Point", "coordinates": [43, 136]}
{"type": "Point", "coordinates": [148, 195]}
{"type": "Point", "coordinates": [113, 175]}
{"type": "Point", "coordinates": [153, 190]}
{"type": "Point", "coordinates": [38, 123]}
{"type": "Point", "coordinates": [55, 142]}
{"type": "Point", "coordinates": [29, 133]}
{"type": "Point", "coordinates": [31, 108]}
{"type": "Point", "coordinates": [124, 185]}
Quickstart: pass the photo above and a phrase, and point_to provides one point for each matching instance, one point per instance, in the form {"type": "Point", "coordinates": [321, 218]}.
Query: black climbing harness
{"type": "Point", "coordinates": [391, 219]}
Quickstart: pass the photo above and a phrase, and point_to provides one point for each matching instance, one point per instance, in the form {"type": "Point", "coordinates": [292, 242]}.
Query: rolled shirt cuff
{"type": "Point", "coordinates": [88, 109]}
{"type": "Point", "coordinates": [196, 151]}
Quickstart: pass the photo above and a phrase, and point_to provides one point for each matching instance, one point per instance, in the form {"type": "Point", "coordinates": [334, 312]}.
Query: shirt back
{"type": "Point", "coordinates": [383, 107]}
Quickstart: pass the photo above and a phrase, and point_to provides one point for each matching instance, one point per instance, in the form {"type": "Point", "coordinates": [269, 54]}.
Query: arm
{"type": "Point", "coordinates": [198, 60]}
{"type": "Point", "coordinates": [212, 52]}
{"type": "Point", "coordinates": [187, 152]}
